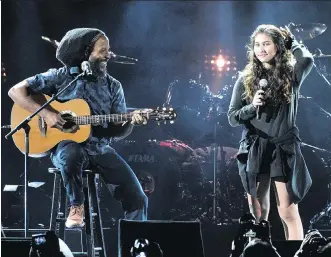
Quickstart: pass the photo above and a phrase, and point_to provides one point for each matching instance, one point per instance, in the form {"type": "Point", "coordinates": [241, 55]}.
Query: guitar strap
{"type": "Point", "coordinates": [109, 82]}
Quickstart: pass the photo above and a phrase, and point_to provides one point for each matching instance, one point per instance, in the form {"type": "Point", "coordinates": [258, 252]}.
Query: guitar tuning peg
{"type": "Point", "coordinates": [171, 109]}
{"type": "Point", "coordinates": [165, 122]}
{"type": "Point", "coordinates": [164, 109]}
{"type": "Point", "coordinates": [172, 122]}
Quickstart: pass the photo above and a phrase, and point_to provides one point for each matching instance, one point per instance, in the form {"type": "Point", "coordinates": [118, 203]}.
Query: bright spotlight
{"type": "Point", "coordinates": [221, 64]}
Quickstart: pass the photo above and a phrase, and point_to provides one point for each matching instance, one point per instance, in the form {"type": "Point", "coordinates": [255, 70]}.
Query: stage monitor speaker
{"type": "Point", "coordinates": [287, 248]}
{"type": "Point", "coordinates": [175, 238]}
{"type": "Point", "coordinates": [15, 246]}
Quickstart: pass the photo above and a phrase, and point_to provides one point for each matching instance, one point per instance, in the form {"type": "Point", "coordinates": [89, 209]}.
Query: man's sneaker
{"type": "Point", "coordinates": [76, 217]}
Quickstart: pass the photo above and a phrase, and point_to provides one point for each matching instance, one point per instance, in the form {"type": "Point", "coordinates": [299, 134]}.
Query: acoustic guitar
{"type": "Point", "coordinates": [77, 128]}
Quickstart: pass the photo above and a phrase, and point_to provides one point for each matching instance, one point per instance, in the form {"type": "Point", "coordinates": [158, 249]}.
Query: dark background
{"type": "Point", "coordinates": [170, 39]}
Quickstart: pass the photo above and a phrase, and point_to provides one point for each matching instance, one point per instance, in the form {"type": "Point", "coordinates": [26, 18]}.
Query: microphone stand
{"type": "Point", "coordinates": [215, 173]}
{"type": "Point", "coordinates": [24, 125]}
{"type": "Point", "coordinates": [321, 74]}
{"type": "Point", "coordinates": [218, 168]}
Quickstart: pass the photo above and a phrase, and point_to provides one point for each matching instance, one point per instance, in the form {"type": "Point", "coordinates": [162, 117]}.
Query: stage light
{"type": "Point", "coordinates": [222, 64]}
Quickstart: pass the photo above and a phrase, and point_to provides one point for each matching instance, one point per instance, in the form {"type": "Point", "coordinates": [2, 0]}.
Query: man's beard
{"type": "Point", "coordinates": [99, 68]}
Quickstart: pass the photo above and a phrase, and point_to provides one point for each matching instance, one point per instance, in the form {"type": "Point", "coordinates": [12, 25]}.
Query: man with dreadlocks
{"type": "Point", "coordinates": [104, 94]}
{"type": "Point", "coordinates": [270, 146]}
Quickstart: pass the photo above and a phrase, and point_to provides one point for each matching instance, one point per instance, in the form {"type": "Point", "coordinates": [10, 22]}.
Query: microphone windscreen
{"type": "Point", "coordinates": [263, 83]}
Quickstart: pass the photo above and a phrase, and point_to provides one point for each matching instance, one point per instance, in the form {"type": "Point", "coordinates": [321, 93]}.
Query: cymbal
{"type": "Point", "coordinates": [129, 109]}
{"type": "Point", "coordinates": [307, 31]}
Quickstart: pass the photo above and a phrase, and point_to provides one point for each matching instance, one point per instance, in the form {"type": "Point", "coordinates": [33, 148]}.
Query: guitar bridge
{"type": "Point", "coordinates": [42, 126]}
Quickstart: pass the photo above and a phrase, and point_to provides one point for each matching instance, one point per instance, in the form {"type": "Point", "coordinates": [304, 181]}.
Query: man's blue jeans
{"type": "Point", "coordinates": [71, 158]}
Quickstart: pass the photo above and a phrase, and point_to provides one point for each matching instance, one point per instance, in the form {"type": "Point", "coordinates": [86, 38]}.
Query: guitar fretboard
{"type": "Point", "coordinates": [93, 119]}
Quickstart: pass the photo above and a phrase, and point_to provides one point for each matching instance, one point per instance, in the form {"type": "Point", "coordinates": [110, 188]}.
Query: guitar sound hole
{"type": "Point", "coordinates": [69, 126]}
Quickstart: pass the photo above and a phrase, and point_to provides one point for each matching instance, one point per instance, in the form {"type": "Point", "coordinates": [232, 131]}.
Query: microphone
{"type": "Point", "coordinates": [86, 68]}
{"type": "Point", "coordinates": [263, 84]}
{"type": "Point", "coordinates": [122, 59]}
{"type": "Point", "coordinates": [52, 41]}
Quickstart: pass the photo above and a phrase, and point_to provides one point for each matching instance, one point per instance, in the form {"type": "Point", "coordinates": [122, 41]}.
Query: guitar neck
{"type": "Point", "coordinates": [93, 119]}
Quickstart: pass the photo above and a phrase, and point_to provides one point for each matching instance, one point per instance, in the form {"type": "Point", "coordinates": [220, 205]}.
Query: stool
{"type": "Point", "coordinates": [94, 239]}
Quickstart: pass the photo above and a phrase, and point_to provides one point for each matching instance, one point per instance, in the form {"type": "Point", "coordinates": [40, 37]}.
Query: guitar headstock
{"type": "Point", "coordinates": [164, 114]}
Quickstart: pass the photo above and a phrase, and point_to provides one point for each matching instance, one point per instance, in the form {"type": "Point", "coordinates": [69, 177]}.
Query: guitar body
{"type": "Point", "coordinates": [42, 138]}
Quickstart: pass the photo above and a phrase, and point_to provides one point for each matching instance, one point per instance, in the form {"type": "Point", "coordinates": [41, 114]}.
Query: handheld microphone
{"type": "Point", "coordinates": [86, 68]}
{"type": "Point", "coordinates": [263, 84]}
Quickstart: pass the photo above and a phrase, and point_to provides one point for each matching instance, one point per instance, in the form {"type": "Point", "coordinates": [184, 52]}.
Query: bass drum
{"type": "Point", "coordinates": [157, 167]}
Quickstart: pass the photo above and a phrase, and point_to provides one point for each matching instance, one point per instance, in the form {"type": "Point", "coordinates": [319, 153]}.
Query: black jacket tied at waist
{"type": "Point", "coordinates": [287, 156]}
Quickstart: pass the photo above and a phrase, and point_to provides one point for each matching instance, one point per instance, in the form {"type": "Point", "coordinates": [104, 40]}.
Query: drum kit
{"type": "Point", "coordinates": [194, 177]}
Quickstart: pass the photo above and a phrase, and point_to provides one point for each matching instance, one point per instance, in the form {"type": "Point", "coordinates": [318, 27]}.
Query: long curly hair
{"type": "Point", "coordinates": [279, 78]}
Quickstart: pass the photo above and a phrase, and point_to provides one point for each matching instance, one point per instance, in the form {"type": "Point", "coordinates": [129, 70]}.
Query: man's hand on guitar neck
{"type": "Point", "coordinates": [53, 119]}
{"type": "Point", "coordinates": [138, 118]}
